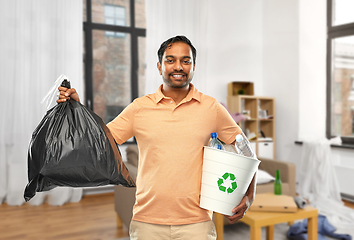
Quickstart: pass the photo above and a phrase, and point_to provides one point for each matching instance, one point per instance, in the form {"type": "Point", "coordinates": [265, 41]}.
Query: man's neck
{"type": "Point", "coordinates": [177, 94]}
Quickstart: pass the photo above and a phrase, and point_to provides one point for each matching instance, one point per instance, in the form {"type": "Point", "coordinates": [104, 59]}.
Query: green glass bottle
{"type": "Point", "coordinates": [277, 184]}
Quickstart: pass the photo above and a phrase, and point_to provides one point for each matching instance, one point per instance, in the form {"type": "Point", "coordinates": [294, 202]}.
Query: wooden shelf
{"type": "Point", "coordinates": [265, 119]}
{"type": "Point", "coordinates": [250, 105]}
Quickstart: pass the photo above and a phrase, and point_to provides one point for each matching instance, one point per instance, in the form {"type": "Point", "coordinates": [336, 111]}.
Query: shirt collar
{"type": "Point", "coordinates": [193, 93]}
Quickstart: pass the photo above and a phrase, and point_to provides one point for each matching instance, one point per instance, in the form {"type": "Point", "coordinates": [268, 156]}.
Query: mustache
{"type": "Point", "coordinates": [178, 72]}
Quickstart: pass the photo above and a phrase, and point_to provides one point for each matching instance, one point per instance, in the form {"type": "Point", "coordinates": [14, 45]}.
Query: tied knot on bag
{"type": "Point", "coordinates": [53, 91]}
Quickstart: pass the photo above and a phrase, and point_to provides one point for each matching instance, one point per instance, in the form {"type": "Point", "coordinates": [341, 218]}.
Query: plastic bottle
{"type": "Point", "coordinates": [277, 184]}
{"type": "Point", "coordinates": [215, 143]}
{"type": "Point", "coordinates": [243, 146]}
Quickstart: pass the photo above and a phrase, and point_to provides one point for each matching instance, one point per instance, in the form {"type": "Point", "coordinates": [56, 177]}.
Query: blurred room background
{"type": "Point", "coordinates": [108, 50]}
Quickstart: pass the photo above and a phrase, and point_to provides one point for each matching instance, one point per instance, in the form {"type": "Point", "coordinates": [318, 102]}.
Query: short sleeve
{"type": "Point", "coordinates": [226, 127]}
{"type": "Point", "coordinates": [122, 127]}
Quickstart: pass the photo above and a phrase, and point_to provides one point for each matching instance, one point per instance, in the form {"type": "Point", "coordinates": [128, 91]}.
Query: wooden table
{"type": "Point", "coordinates": [257, 220]}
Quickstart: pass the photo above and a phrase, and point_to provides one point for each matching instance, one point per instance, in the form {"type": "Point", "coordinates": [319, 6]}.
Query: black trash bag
{"type": "Point", "coordinates": [73, 147]}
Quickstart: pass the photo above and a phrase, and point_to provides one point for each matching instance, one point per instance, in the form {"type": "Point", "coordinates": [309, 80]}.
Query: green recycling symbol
{"type": "Point", "coordinates": [231, 184]}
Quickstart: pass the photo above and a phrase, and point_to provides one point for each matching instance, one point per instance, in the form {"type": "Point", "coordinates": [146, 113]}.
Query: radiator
{"type": "Point", "coordinates": [345, 176]}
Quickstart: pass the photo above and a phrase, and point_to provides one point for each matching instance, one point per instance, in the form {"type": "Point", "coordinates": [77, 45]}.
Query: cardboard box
{"type": "Point", "coordinates": [268, 202]}
{"type": "Point", "coordinates": [234, 87]}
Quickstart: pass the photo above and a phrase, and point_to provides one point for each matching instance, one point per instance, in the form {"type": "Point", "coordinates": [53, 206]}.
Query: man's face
{"type": "Point", "coordinates": [177, 68]}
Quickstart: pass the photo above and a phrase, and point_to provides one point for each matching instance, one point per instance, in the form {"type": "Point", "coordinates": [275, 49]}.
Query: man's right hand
{"type": "Point", "coordinates": [66, 94]}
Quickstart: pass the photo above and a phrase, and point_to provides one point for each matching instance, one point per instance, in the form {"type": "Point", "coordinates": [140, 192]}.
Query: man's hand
{"type": "Point", "coordinates": [240, 210]}
{"type": "Point", "coordinates": [245, 203]}
{"type": "Point", "coordinates": [66, 94]}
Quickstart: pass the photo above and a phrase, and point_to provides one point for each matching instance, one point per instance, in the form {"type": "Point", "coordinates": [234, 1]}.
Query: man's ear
{"type": "Point", "coordinates": [159, 67]}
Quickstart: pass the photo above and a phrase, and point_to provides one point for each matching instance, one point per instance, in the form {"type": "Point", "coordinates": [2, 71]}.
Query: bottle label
{"type": "Point", "coordinates": [227, 183]}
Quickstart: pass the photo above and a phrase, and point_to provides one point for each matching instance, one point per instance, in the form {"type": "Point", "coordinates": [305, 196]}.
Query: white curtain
{"type": "Point", "coordinates": [168, 18]}
{"type": "Point", "coordinates": [40, 40]}
{"type": "Point", "coordinates": [318, 182]}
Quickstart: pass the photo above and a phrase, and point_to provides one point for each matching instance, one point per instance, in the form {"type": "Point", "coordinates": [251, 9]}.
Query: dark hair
{"type": "Point", "coordinates": [172, 40]}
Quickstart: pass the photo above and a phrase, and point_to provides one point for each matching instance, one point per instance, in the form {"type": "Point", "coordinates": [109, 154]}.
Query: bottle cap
{"type": "Point", "coordinates": [239, 138]}
{"type": "Point", "coordinates": [214, 135]}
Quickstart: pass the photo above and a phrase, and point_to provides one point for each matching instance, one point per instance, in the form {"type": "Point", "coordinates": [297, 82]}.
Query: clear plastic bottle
{"type": "Point", "coordinates": [277, 184]}
{"type": "Point", "coordinates": [215, 143]}
{"type": "Point", "coordinates": [243, 146]}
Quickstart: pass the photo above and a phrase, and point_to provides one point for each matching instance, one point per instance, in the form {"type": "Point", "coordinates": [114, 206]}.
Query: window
{"type": "Point", "coordinates": [340, 70]}
{"type": "Point", "coordinates": [114, 55]}
{"type": "Point", "coordinates": [114, 15]}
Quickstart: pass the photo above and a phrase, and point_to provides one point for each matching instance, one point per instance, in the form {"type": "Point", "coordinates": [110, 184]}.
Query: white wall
{"type": "Point", "coordinates": [234, 46]}
{"type": "Point", "coordinates": [281, 69]}
{"type": "Point", "coordinates": [312, 70]}
{"type": "Point", "coordinates": [258, 41]}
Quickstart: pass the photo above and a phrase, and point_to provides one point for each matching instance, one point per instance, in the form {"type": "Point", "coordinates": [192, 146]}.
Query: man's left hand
{"type": "Point", "coordinates": [240, 210]}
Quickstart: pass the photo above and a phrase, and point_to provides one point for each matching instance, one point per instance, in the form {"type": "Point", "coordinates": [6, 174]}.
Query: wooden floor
{"type": "Point", "coordinates": [93, 218]}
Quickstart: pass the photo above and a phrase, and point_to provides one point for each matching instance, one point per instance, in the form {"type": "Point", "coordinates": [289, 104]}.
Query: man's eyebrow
{"type": "Point", "coordinates": [171, 56]}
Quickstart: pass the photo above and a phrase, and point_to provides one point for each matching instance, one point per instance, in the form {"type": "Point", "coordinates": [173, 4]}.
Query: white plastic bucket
{"type": "Point", "coordinates": [226, 177]}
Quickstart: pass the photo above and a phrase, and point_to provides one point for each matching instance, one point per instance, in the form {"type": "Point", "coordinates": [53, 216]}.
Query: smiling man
{"type": "Point", "coordinates": [171, 127]}
{"type": "Point", "coordinates": [176, 64]}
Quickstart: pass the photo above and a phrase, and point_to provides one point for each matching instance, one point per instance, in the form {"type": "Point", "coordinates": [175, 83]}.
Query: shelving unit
{"type": "Point", "coordinates": [260, 124]}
